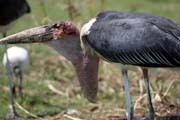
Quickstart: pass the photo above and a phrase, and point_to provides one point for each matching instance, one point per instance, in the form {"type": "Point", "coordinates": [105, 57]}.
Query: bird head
{"type": "Point", "coordinates": [64, 38]}
{"type": "Point", "coordinates": [64, 29]}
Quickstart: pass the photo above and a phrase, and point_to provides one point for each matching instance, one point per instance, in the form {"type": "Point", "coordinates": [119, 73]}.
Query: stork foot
{"type": "Point", "coordinates": [149, 116]}
{"type": "Point", "coordinates": [130, 113]}
{"type": "Point", "coordinates": [144, 118]}
{"type": "Point", "coordinates": [13, 115]}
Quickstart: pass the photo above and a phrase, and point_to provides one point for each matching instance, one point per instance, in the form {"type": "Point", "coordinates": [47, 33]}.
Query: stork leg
{"type": "Point", "coordinates": [18, 74]}
{"type": "Point", "coordinates": [13, 113]}
{"type": "Point", "coordinates": [129, 105]}
{"type": "Point", "coordinates": [150, 105]}
{"type": "Point", "coordinates": [20, 84]}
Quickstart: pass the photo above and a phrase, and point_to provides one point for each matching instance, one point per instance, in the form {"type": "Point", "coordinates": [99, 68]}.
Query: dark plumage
{"type": "Point", "coordinates": [11, 10]}
{"type": "Point", "coordinates": [133, 39]}
{"type": "Point", "coordinates": [136, 39]}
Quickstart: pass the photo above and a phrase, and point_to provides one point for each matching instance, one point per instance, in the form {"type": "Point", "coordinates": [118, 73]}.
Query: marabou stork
{"type": "Point", "coordinates": [64, 38]}
{"type": "Point", "coordinates": [133, 39]}
{"type": "Point", "coordinates": [11, 10]}
{"type": "Point", "coordinates": [127, 38]}
{"type": "Point", "coordinates": [18, 61]}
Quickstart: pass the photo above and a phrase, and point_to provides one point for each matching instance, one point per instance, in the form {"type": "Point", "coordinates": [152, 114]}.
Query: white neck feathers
{"type": "Point", "coordinates": [86, 27]}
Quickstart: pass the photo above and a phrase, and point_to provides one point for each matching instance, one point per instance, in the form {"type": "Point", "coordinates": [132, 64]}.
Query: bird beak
{"type": "Point", "coordinates": [34, 35]}
{"type": "Point", "coordinates": [41, 34]}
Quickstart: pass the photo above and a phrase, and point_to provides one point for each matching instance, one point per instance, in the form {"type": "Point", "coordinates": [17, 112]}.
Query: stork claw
{"type": "Point", "coordinates": [148, 117]}
{"type": "Point", "coordinates": [13, 114]}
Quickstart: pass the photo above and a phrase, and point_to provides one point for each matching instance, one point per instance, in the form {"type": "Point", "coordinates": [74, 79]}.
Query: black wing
{"type": "Point", "coordinates": [164, 24]}
{"type": "Point", "coordinates": [136, 41]}
{"type": "Point", "coordinates": [12, 9]}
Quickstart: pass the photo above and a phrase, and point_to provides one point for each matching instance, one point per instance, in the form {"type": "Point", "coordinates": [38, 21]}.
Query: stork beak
{"type": "Point", "coordinates": [34, 35]}
{"type": "Point", "coordinates": [40, 34]}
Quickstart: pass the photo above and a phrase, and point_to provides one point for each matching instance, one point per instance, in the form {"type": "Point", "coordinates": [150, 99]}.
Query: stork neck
{"type": "Point", "coordinates": [69, 48]}
{"type": "Point", "coordinates": [87, 71]}
{"type": "Point", "coordinates": [85, 66]}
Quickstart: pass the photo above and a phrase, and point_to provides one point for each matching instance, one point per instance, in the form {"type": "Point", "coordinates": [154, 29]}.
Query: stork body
{"type": "Point", "coordinates": [18, 61]}
{"type": "Point", "coordinates": [11, 10]}
{"type": "Point", "coordinates": [133, 39]}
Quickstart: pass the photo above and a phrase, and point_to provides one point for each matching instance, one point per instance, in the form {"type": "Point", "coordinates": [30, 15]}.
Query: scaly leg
{"type": "Point", "coordinates": [20, 84]}
{"type": "Point", "coordinates": [150, 105]}
{"type": "Point", "coordinates": [13, 113]}
{"type": "Point", "coordinates": [129, 105]}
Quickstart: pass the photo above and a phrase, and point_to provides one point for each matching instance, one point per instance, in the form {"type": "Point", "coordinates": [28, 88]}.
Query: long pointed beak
{"type": "Point", "coordinates": [38, 34]}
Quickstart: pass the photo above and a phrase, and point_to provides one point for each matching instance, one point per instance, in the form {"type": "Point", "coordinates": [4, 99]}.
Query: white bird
{"type": "Point", "coordinates": [10, 11]}
{"type": "Point", "coordinates": [18, 62]}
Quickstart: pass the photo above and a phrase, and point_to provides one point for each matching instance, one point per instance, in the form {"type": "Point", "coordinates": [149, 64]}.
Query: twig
{"type": "Point", "coordinates": [70, 117]}
{"type": "Point", "coordinates": [27, 112]}
{"type": "Point", "coordinates": [58, 116]}
{"type": "Point", "coordinates": [167, 90]}
{"type": "Point", "coordinates": [52, 88]}
{"type": "Point", "coordinates": [139, 99]}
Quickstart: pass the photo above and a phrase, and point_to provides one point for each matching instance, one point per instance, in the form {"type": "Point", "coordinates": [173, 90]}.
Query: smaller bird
{"type": "Point", "coordinates": [10, 11]}
{"type": "Point", "coordinates": [18, 62]}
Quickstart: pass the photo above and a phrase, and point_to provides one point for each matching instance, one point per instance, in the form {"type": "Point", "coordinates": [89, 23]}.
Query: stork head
{"type": "Point", "coordinates": [64, 38]}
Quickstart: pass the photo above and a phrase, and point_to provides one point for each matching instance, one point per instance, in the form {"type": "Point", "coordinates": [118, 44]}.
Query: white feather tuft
{"type": "Point", "coordinates": [85, 31]}
{"type": "Point", "coordinates": [17, 57]}
{"type": "Point", "coordinates": [86, 27]}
